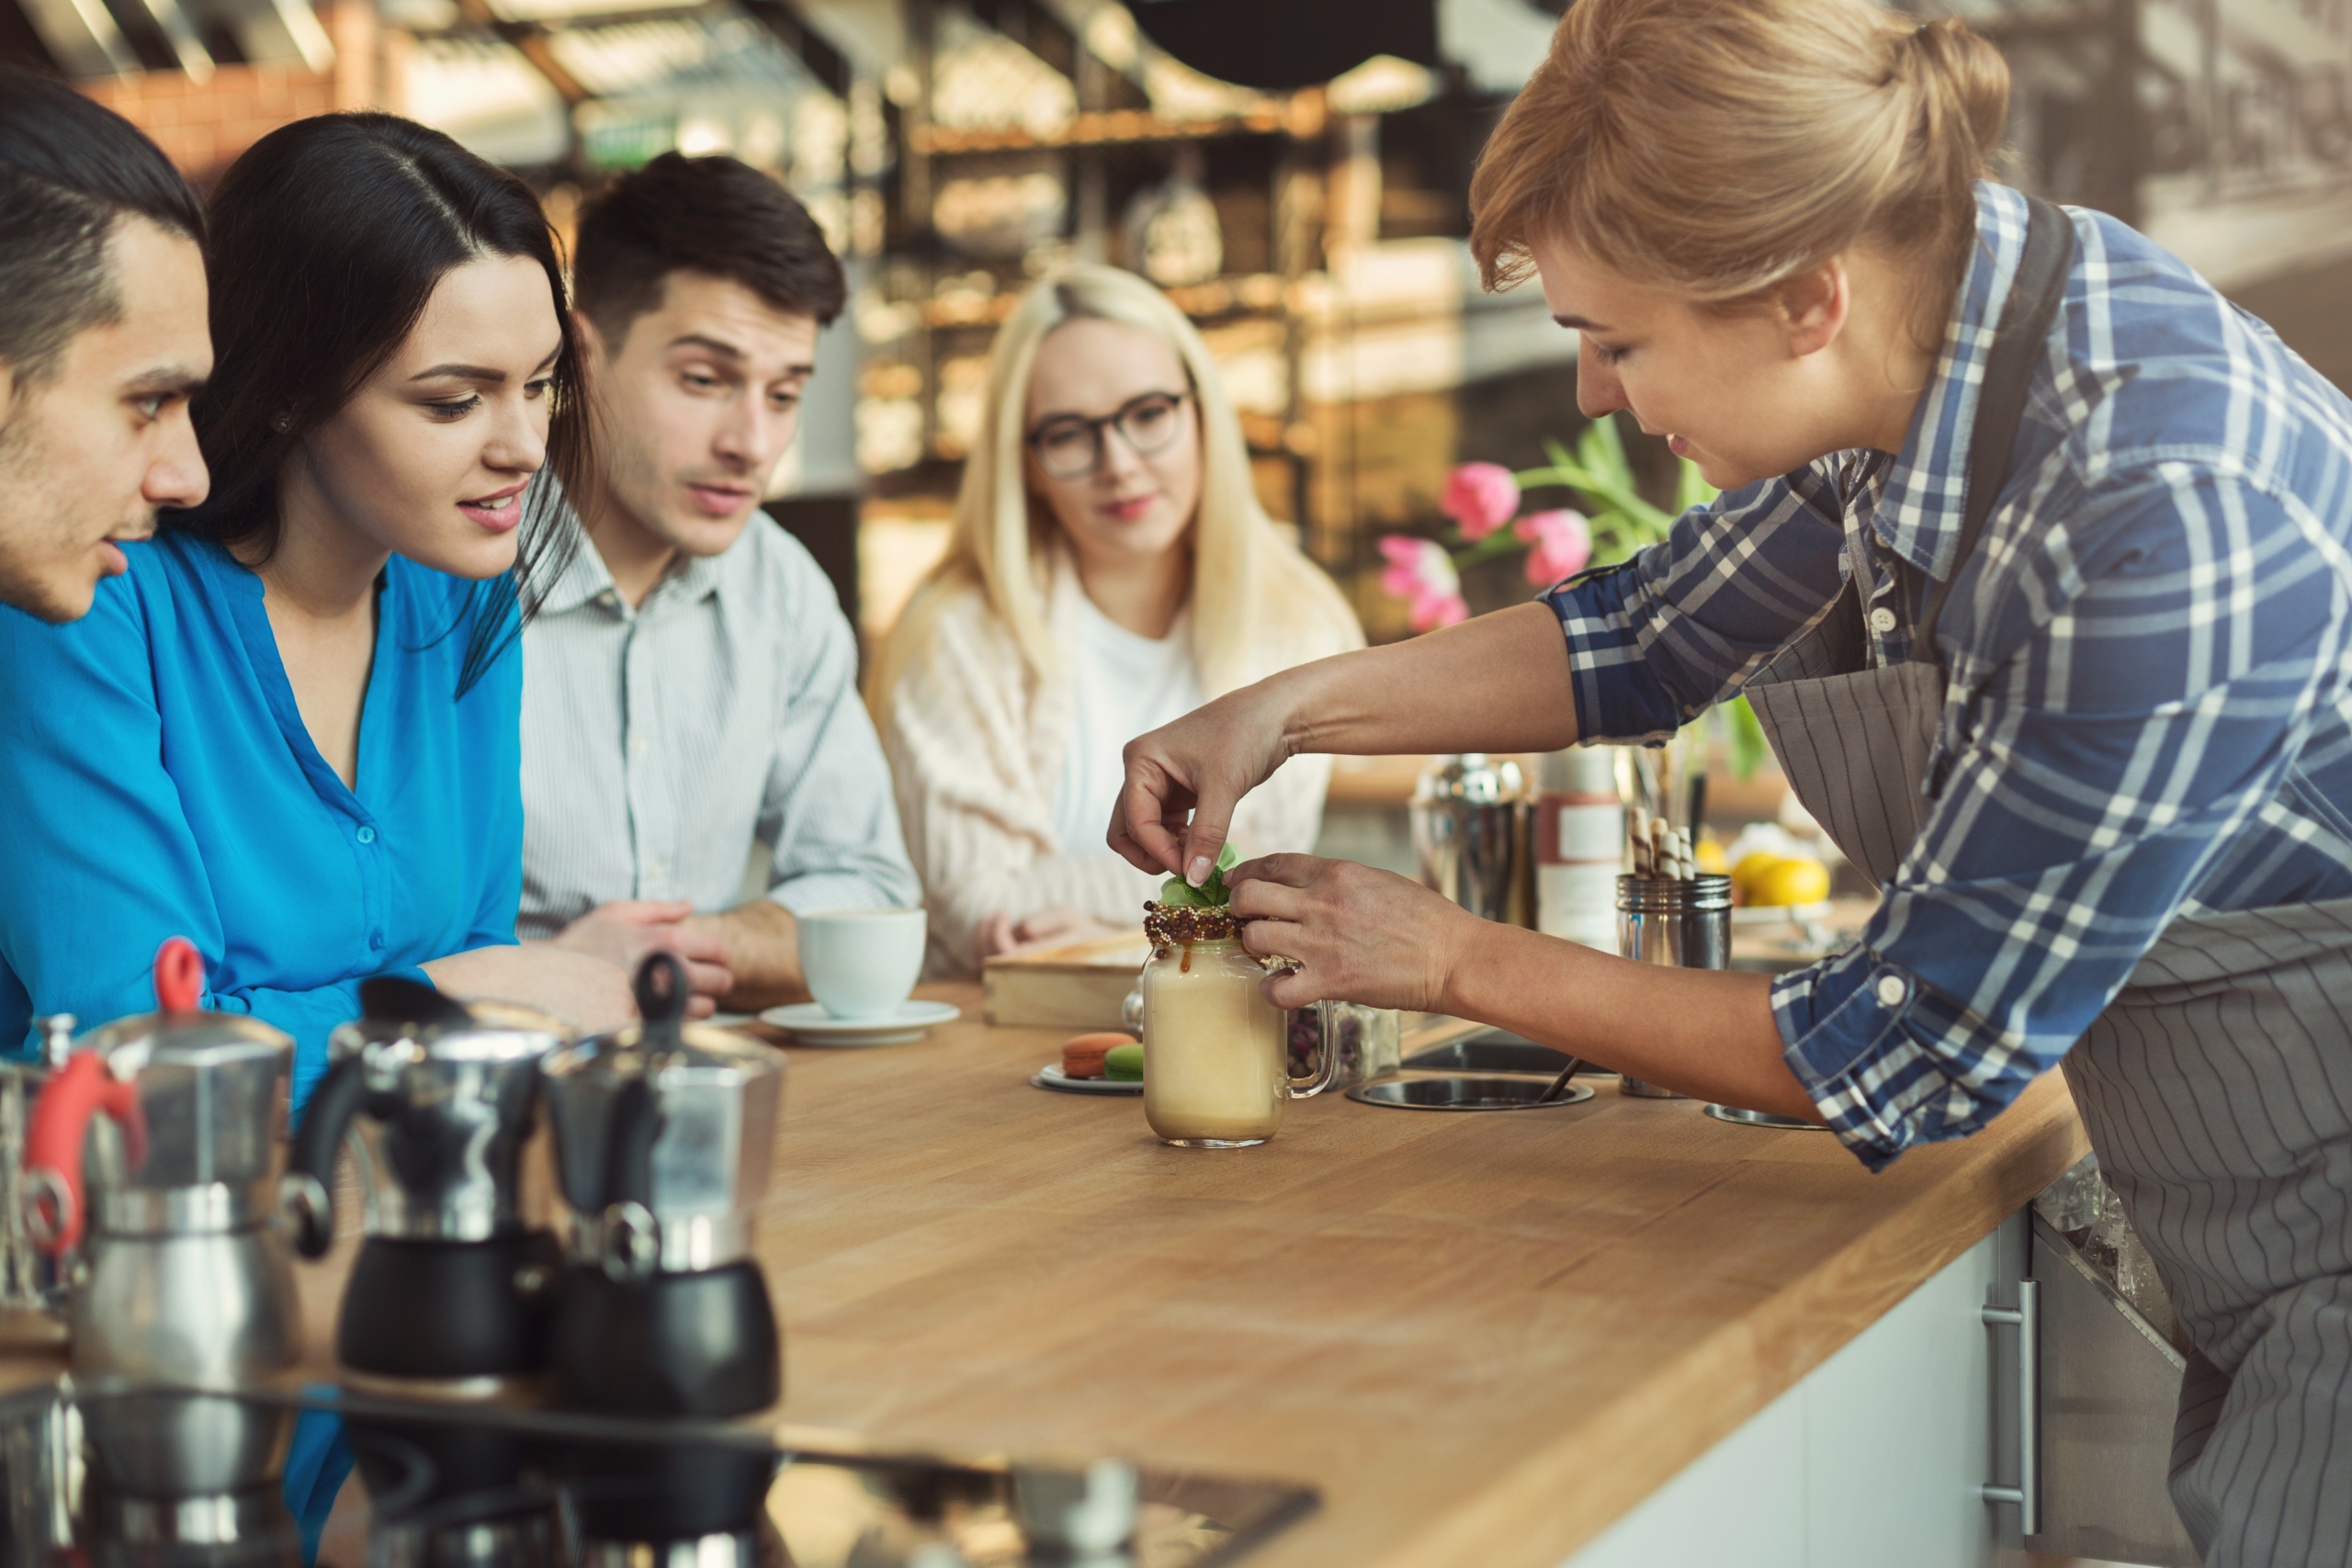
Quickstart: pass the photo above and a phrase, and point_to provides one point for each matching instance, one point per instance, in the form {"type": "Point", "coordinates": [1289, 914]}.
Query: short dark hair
{"type": "Point", "coordinates": [329, 236]}
{"type": "Point", "coordinates": [717, 216]}
{"type": "Point", "coordinates": [69, 171]}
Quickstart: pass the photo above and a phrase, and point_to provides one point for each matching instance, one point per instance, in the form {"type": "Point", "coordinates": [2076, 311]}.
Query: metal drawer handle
{"type": "Point", "coordinates": [2026, 1318]}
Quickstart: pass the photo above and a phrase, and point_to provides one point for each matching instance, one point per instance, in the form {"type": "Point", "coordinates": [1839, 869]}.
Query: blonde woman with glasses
{"type": "Point", "coordinates": [1111, 570]}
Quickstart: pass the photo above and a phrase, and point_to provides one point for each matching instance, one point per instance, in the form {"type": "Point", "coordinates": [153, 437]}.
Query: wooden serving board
{"type": "Point", "coordinates": [1082, 985]}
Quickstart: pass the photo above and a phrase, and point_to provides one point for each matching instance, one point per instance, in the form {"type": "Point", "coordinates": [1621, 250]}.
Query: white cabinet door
{"type": "Point", "coordinates": [1876, 1458]}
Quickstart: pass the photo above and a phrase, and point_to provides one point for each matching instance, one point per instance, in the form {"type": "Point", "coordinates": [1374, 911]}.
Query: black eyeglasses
{"type": "Point", "coordinates": [1068, 445]}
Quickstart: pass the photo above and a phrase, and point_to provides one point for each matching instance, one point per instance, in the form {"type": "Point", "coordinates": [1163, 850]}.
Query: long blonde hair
{"type": "Point", "coordinates": [1720, 147]}
{"type": "Point", "coordinates": [1245, 575]}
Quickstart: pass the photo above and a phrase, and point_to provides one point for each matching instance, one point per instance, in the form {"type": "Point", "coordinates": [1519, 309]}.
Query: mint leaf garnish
{"type": "Point", "coordinates": [1212, 894]}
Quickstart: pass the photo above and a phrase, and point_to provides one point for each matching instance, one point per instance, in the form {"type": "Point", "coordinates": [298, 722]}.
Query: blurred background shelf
{"type": "Point", "coordinates": [1313, 225]}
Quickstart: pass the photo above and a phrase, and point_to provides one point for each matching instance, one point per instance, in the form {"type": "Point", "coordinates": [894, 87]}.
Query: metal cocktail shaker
{"type": "Point", "coordinates": [188, 1279]}
{"type": "Point", "coordinates": [1473, 836]}
{"type": "Point", "coordinates": [1684, 922]}
{"type": "Point", "coordinates": [438, 1100]}
{"type": "Point", "coordinates": [663, 1134]}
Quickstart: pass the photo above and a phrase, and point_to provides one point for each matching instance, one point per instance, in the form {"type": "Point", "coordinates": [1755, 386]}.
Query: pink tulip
{"type": "Point", "coordinates": [1422, 574]}
{"type": "Point", "coordinates": [1480, 498]}
{"type": "Point", "coordinates": [1558, 544]}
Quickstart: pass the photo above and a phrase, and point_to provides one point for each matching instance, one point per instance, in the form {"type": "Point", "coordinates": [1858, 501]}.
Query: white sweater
{"type": "Point", "coordinates": [975, 744]}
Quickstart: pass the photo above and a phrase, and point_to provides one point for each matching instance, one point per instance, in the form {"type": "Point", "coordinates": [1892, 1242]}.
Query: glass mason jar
{"type": "Point", "coordinates": [1215, 1051]}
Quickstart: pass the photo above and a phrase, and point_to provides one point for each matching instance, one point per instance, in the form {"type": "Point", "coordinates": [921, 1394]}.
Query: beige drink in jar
{"type": "Point", "coordinates": [1215, 1051]}
{"type": "Point", "coordinates": [1215, 1073]}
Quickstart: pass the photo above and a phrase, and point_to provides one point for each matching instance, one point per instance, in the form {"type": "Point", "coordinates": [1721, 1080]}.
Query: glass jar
{"type": "Point", "coordinates": [1215, 1051]}
{"type": "Point", "coordinates": [1370, 1041]}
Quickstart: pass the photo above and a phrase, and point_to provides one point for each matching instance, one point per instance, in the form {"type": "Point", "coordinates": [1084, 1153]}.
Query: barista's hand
{"type": "Point", "coordinates": [1202, 764]}
{"type": "Point", "coordinates": [623, 931]}
{"type": "Point", "coordinates": [1360, 935]}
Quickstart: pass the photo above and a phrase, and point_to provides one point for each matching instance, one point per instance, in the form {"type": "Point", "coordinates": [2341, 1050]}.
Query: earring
{"type": "Point", "coordinates": [282, 424]}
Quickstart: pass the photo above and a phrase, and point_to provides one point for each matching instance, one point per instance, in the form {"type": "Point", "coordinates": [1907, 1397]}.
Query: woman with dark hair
{"type": "Point", "coordinates": [291, 731]}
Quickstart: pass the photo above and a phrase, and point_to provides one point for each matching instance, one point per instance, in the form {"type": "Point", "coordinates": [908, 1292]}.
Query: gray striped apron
{"type": "Point", "coordinates": [2216, 1087]}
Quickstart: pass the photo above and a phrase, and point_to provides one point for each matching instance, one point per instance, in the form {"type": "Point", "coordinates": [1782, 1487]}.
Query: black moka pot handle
{"type": "Point", "coordinates": [307, 1194]}
{"type": "Point", "coordinates": [661, 991]}
{"type": "Point", "coordinates": [395, 999]}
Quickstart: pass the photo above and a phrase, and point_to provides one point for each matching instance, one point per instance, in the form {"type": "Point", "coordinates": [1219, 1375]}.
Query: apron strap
{"type": "Point", "coordinates": [2025, 316]}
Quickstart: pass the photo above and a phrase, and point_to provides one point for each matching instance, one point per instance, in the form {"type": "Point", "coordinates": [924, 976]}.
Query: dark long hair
{"type": "Point", "coordinates": [328, 237]}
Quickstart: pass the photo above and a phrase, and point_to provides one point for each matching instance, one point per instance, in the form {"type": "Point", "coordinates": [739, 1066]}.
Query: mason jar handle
{"type": "Point", "coordinates": [1327, 1042]}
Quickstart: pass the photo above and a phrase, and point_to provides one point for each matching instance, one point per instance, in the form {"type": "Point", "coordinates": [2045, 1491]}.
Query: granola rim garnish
{"type": "Point", "coordinates": [1170, 926]}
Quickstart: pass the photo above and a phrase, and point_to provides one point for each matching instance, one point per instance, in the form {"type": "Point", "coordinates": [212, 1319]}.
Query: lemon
{"type": "Point", "coordinates": [1708, 855]}
{"type": "Point", "coordinates": [1753, 866]}
{"type": "Point", "coordinates": [1791, 882]}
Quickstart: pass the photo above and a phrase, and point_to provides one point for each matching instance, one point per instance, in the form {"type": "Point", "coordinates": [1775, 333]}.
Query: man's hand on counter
{"type": "Point", "coordinates": [1369, 936]}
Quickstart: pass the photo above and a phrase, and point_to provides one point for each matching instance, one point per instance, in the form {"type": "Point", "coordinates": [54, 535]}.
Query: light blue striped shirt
{"type": "Point", "coordinates": [661, 743]}
{"type": "Point", "coordinates": [2150, 707]}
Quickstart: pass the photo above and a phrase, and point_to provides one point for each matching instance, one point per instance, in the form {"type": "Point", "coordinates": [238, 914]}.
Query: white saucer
{"type": "Point", "coordinates": [811, 1025]}
{"type": "Point", "coordinates": [1053, 1078]}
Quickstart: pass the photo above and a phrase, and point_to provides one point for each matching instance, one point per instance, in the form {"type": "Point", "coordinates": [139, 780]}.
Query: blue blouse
{"type": "Point", "coordinates": [156, 779]}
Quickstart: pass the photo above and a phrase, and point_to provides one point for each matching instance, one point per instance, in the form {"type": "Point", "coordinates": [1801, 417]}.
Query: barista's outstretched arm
{"type": "Point", "coordinates": [1497, 684]}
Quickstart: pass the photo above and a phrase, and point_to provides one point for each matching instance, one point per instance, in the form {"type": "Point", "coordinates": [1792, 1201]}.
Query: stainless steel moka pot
{"type": "Point", "coordinates": [159, 1136]}
{"type": "Point", "coordinates": [663, 1132]}
{"type": "Point", "coordinates": [32, 1290]}
{"type": "Point", "coordinates": [184, 1481]}
{"type": "Point", "coordinates": [437, 1100]}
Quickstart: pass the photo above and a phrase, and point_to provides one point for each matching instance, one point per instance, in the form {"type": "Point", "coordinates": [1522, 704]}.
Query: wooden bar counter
{"type": "Point", "coordinates": [1482, 1337]}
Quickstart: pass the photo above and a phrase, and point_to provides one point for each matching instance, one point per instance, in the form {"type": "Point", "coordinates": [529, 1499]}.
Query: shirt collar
{"type": "Point", "coordinates": [1918, 515]}
{"type": "Point", "coordinates": [586, 578]}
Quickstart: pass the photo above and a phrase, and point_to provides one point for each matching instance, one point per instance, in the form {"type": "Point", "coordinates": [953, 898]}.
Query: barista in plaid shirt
{"type": "Point", "coordinates": [2107, 785]}
{"type": "Point", "coordinates": [2151, 703]}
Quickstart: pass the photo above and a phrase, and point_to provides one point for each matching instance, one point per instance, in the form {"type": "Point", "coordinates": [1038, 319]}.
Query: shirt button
{"type": "Point", "coordinates": [637, 745]}
{"type": "Point", "coordinates": [1892, 990]}
{"type": "Point", "coordinates": [376, 940]}
{"type": "Point", "coordinates": [1881, 620]}
{"type": "Point", "coordinates": [367, 835]}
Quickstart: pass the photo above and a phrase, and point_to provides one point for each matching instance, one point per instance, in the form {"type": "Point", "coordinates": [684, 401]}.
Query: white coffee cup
{"type": "Point", "coordinates": [862, 963]}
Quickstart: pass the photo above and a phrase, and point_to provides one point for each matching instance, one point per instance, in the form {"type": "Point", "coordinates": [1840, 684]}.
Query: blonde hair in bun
{"type": "Point", "coordinates": [1719, 147]}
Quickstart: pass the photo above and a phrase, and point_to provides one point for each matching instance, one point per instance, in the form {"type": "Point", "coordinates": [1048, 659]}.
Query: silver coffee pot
{"type": "Point", "coordinates": [436, 1099]}
{"type": "Point", "coordinates": [160, 1134]}
{"type": "Point", "coordinates": [188, 1480]}
{"type": "Point", "coordinates": [32, 1290]}
{"type": "Point", "coordinates": [663, 1135]}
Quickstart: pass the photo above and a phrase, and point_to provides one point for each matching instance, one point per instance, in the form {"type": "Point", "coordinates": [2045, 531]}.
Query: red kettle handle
{"type": "Point", "coordinates": [81, 1089]}
{"type": "Point", "coordinates": [179, 975]}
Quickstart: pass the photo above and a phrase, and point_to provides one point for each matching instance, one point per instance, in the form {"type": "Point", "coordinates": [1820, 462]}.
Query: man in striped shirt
{"type": "Point", "coordinates": [690, 685]}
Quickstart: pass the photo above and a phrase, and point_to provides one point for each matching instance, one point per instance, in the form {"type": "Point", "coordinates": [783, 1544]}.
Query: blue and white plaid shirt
{"type": "Point", "coordinates": [2150, 706]}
